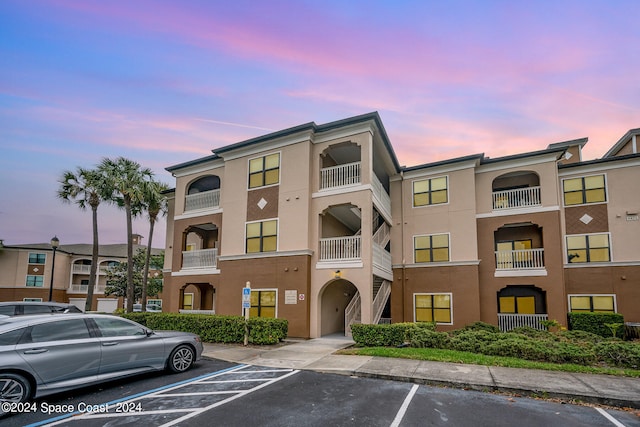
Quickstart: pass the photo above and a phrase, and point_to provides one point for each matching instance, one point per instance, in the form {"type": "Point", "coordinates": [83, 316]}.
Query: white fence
{"type": "Point", "coordinates": [507, 322]}
{"type": "Point", "coordinates": [339, 176]}
{"type": "Point", "coordinates": [520, 259]}
{"type": "Point", "coordinates": [340, 248]}
{"type": "Point", "coordinates": [516, 198]}
{"type": "Point", "coordinates": [204, 200]}
{"type": "Point", "coordinates": [202, 258]}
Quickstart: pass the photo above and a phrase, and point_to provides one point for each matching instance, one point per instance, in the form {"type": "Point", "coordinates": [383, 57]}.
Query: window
{"type": "Point", "coordinates": [433, 308]}
{"type": "Point", "coordinates": [430, 191]}
{"type": "Point", "coordinates": [37, 258]}
{"type": "Point", "coordinates": [35, 281]}
{"type": "Point", "coordinates": [114, 327]}
{"type": "Point", "coordinates": [32, 299]}
{"type": "Point", "coordinates": [433, 248]}
{"type": "Point", "coordinates": [263, 304]}
{"type": "Point", "coordinates": [590, 189]}
{"type": "Point", "coordinates": [262, 236]}
{"type": "Point", "coordinates": [264, 171]}
{"type": "Point", "coordinates": [157, 302]}
{"type": "Point", "coordinates": [603, 303]}
{"type": "Point", "coordinates": [187, 301]}
{"type": "Point", "coordinates": [72, 329]}
{"type": "Point", "coordinates": [517, 305]}
{"type": "Point", "coordinates": [588, 248]}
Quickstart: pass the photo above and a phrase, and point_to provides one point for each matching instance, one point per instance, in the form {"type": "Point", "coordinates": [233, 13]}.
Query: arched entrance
{"type": "Point", "coordinates": [334, 298]}
{"type": "Point", "coordinates": [197, 296]}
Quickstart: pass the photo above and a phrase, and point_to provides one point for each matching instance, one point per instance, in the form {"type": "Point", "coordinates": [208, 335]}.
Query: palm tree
{"type": "Point", "coordinates": [126, 186]}
{"type": "Point", "coordinates": [87, 188]}
{"type": "Point", "coordinates": [155, 203]}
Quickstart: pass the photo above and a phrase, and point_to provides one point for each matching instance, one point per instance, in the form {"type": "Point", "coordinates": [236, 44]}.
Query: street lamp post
{"type": "Point", "coordinates": [55, 242]}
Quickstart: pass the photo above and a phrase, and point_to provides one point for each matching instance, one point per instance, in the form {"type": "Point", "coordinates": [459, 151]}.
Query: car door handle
{"type": "Point", "coordinates": [36, 351]}
{"type": "Point", "coordinates": [109, 344]}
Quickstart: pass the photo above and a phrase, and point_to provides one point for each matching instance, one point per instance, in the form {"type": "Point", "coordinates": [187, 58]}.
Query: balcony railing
{"type": "Point", "coordinates": [340, 248]}
{"type": "Point", "coordinates": [82, 289]}
{"type": "Point", "coordinates": [203, 200]}
{"type": "Point", "coordinates": [520, 259]}
{"type": "Point", "coordinates": [81, 269]}
{"type": "Point", "coordinates": [202, 258]}
{"type": "Point", "coordinates": [516, 198]}
{"type": "Point", "coordinates": [507, 322]}
{"type": "Point", "coordinates": [339, 176]}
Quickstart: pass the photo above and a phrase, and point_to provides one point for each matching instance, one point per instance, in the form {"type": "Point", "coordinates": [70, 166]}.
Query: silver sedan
{"type": "Point", "coordinates": [45, 354]}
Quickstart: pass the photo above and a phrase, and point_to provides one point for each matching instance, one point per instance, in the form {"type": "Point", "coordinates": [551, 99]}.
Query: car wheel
{"type": "Point", "coordinates": [14, 388]}
{"type": "Point", "coordinates": [181, 358]}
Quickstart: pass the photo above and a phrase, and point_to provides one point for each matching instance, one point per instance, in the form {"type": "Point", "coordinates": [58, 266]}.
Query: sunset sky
{"type": "Point", "coordinates": [164, 82]}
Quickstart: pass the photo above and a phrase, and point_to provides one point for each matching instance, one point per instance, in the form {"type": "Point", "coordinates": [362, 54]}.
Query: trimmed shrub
{"type": "Point", "coordinates": [530, 332]}
{"type": "Point", "coordinates": [215, 328]}
{"type": "Point", "coordinates": [472, 340]}
{"type": "Point", "coordinates": [478, 326]}
{"type": "Point", "coordinates": [426, 338]}
{"type": "Point", "coordinates": [580, 336]}
{"type": "Point", "coordinates": [391, 335]}
{"type": "Point", "coordinates": [596, 323]}
{"type": "Point", "coordinates": [617, 353]}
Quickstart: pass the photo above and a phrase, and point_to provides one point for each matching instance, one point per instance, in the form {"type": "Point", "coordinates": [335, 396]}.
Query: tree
{"type": "Point", "coordinates": [127, 180]}
{"type": "Point", "coordinates": [155, 203]}
{"type": "Point", "coordinates": [117, 276]}
{"type": "Point", "coordinates": [87, 188]}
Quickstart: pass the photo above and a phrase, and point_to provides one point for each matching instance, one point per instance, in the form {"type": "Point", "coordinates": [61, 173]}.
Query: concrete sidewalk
{"type": "Point", "coordinates": [317, 355]}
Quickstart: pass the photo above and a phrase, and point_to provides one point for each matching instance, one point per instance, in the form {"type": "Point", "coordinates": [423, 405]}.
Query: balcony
{"type": "Point", "coordinates": [507, 322]}
{"type": "Point", "coordinates": [82, 289]}
{"type": "Point", "coordinates": [203, 200]}
{"type": "Point", "coordinates": [516, 198]}
{"type": "Point", "coordinates": [347, 248]}
{"type": "Point", "coordinates": [81, 269]}
{"type": "Point", "coordinates": [202, 258]}
{"type": "Point", "coordinates": [340, 175]}
{"type": "Point", "coordinates": [520, 259]}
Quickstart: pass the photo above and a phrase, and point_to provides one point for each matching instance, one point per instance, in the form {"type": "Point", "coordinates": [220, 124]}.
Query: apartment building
{"type": "Point", "coordinates": [328, 229]}
{"type": "Point", "coordinates": [28, 273]}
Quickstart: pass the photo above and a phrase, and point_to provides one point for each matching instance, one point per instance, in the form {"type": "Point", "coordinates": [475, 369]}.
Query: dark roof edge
{"type": "Point", "coordinates": [262, 138]}
{"type": "Point", "coordinates": [565, 144]}
{"type": "Point", "coordinates": [192, 163]}
{"type": "Point", "coordinates": [597, 161]}
{"type": "Point", "coordinates": [443, 162]}
{"type": "Point", "coordinates": [618, 145]}
{"type": "Point", "coordinates": [524, 155]}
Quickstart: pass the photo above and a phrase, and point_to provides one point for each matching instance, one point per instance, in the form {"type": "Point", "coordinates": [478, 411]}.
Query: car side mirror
{"type": "Point", "coordinates": [149, 332]}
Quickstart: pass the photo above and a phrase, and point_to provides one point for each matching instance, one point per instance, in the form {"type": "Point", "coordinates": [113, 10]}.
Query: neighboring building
{"type": "Point", "coordinates": [329, 230]}
{"type": "Point", "coordinates": [25, 273]}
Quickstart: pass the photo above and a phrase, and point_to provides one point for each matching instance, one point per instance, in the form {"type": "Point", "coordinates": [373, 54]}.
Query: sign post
{"type": "Point", "coordinates": [246, 306]}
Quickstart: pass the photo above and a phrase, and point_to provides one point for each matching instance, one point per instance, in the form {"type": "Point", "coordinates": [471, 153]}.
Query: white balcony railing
{"type": "Point", "coordinates": [202, 258]}
{"type": "Point", "coordinates": [204, 200]}
{"type": "Point", "coordinates": [81, 269]}
{"type": "Point", "coordinates": [352, 313]}
{"type": "Point", "coordinates": [82, 289]}
{"type": "Point", "coordinates": [507, 322]}
{"type": "Point", "coordinates": [516, 198]}
{"type": "Point", "coordinates": [381, 194]}
{"type": "Point", "coordinates": [520, 259]}
{"type": "Point", "coordinates": [381, 258]}
{"type": "Point", "coordinates": [339, 176]}
{"type": "Point", "coordinates": [340, 248]}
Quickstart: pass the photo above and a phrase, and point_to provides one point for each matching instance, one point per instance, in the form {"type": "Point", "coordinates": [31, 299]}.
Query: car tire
{"type": "Point", "coordinates": [14, 388]}
{"type": "Point", "coordinates": [181, 358]}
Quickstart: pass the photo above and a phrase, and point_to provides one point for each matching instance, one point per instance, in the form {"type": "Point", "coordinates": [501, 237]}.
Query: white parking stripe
{"type": "Point", "coordinates": [173, 391]}
{"type": "Point", "coordinates": [405, 405]}
{"type": "Point", "coordinates": [610, 418]}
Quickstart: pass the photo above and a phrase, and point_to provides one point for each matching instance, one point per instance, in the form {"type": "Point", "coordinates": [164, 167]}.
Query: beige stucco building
{"type": "Point", "coordinates": [328, 229]}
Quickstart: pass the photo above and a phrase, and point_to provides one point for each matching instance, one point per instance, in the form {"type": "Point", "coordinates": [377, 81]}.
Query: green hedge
{"type": "Point", "coordinates": [596, 323]}
{"type": "Point", "coordinates": [215, 328]}
{"type": "Point", "coordinates": [391, 335]}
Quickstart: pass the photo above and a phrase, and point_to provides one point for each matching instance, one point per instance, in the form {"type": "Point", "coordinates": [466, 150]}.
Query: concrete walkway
{"type": "Point", "coordinates": [317, 355]}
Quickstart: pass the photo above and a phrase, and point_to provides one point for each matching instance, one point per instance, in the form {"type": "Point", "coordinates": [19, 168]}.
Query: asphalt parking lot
{"type": "Point", "coordinates": [220, 393]}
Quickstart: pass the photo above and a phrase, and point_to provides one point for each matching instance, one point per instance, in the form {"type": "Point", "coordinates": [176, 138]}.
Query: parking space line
{"type": "Point", "coordinates": [610, 418]}
{"type": "Point", "coordinates": [172, 391]}
{"type": "Point", "coordinates": [405, 406]}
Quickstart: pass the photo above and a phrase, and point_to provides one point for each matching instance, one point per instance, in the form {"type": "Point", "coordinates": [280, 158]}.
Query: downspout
{"type": "Point", "coordinates": [403, 278]}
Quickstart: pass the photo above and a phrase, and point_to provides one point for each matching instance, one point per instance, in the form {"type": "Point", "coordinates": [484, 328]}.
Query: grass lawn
{"type": "Point", "coordinates": [454, 356]}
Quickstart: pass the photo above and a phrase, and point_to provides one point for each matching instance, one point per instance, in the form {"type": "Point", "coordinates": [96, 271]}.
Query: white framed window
{"type": "Point", "coordinates": [430, 191]}
{"type": "Point", "coordinates": [261, 236]}
{"type": "Point", "coordinates": [433, 307]}
{"type": "Point", "coordinates": [605, 303]}
{"type": "Point", "coordinates": [264, 303]}
{"type": "Point", "coordinates": [431, 248]}
{"type": "Point", "coordinates": [584, 190]}
{"type": "Point", "coordinates": [264, 171]}
{"type": "Point", "coordinates": [585, 248]}
{"type": "Point", "coordinates": [37, 258]}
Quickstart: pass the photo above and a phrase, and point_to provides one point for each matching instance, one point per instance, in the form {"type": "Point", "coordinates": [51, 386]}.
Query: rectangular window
{"type": "Point", "coordinates": [32, 299]}
{"type": "Point", "coordinates": [589, 189]}
{"type": "Point", "coordinates": [430, 191]}
{"type": "Point", "coordinates": [517, 305]}
{"type": "Point", "coordinates": [262, 236]}
{"type": "Point", "coordinates": [35, 258]}
{"type": "Point", "coordinates": [588, 248]}
{"type": "Point", "coordinates": [432, 308]}
{"type": "Point", "coordinates": [263, 304]}
{"type": "Point", "coordinates": [35, 281]}
{"type": "Point", "coordinates": [264, 171]}
{"type": "Point", "coordinates": [434, 248]}
{"type": "Point", "coordinates": [157, 302]}
{"type": "Point", "coordinates": [601, 303]}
